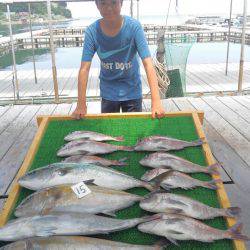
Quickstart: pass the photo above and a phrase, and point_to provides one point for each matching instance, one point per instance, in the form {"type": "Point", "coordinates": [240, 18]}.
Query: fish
{"type": "Point", "coordinates": [179, 204]}
{"type": "Point", "coordinates": [170, 161]}
{"type": "Point", "coordinates": [179, 227]}
{"type": "Point", "coordinates": [74, 242]}
{"type": "Point", "coordinates": [92, 136]}
{"type": "Point", "coordinates": [174, 179]}
{"type": "Point", "coordinates": [86, 147]}
{"type": "Point", "coordinates": [164, 143]}
{"type": "Point", "coordinates": [63, 199]}
{"type": "Point", "coordinates": [65, 224]}
{"type": "Point", "coordinates": [151, 174]}
{"type": "Point", "coordinates": [72, 173]}
{"type": "Point", "coordinates": [95, 160]}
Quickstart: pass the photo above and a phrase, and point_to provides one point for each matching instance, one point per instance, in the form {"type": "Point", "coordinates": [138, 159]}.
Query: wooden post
{"type": "Point", "coordinates": [52, 50]}
{"type": "Point", "coordinates": [242, 53]}
{"type": "Point", "coordinates": [16, 86]}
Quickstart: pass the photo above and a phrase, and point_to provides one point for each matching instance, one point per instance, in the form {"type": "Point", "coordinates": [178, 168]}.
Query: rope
{"type": "Point", "coordinates": [162, 76]}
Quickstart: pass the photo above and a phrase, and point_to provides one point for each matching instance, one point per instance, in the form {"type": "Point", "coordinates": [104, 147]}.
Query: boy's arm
{"type": "Point", "coordinates": [81, 108]}
{"type": "Point", "coordinates": [156, 105]}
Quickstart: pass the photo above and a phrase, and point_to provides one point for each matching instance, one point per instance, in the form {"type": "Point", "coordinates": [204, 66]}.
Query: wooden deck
{"type": "Point", "coordinates": [227, 127]}
{"type": "Point", "coordinates": [201, 78]}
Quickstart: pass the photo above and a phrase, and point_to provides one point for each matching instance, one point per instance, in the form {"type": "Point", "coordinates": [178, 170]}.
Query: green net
{"type": "Point", "coordinates": [133, 129]}
{"type": "Point", "coordinates": [176, 54]}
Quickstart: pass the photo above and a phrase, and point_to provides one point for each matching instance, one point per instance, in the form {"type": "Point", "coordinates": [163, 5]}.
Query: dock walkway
{"type": "Point", "coordinates": [200, 78]}
{"type": "Point", "coordinates": [226, 125]}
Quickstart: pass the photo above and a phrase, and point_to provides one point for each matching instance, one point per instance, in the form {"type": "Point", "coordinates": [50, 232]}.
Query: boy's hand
{"type": "Point", "coordinates": [79, 112]}
{"type": "Point", "coordinates": [157, 111]}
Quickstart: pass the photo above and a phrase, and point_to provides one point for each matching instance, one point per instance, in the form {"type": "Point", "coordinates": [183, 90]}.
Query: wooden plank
{"type": "Point", "coordinates": [3, 109]}
{"type": "Point", "coordinates": [8, 117]}
{"type": "Point", "coordinates": [16, 127]}
{"type": "Point", "coordinates": [9, 205]}
{"type": "Point", "coordinates": [13, 159]}
{"type": "Point", "coordinates": [229, 115]}
{"type": "Point", "coordinates": [243, 100]}
{"type": "Point", "coordinates": [232, 136]}
{"type": "Point", "coordinates": [184, 104]}
{"type": "Point", "coordinates": [239, 109]}
{"type": "Point", "coordinates": [242, 200]}
{"type": "Point", "coordinates": [222, 195]}
{"type": "Point", "coordinates": [234, 166]}
{"type": "Point", "coordinates": [2, 202]}
{"type": "Point", "coordinates": [62, 109]}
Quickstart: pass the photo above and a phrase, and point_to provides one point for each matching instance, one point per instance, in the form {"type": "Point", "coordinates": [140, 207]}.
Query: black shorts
{"type": "Point", "coordinates": [126, 106]}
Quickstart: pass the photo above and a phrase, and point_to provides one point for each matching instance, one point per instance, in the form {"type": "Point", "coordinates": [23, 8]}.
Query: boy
{"type": "Point", "coordinates": [117, 39]}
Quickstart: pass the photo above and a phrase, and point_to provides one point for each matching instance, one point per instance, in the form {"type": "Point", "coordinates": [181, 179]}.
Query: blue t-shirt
{"type": "Point", "coordinates": [120, 72]}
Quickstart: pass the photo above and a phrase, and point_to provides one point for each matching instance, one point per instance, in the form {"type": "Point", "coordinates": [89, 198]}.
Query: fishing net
{"type": "Point", "coordinates": [176, 54]}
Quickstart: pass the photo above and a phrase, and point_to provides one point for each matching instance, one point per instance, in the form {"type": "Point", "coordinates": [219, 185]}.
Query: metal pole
{"type": "Point", "coordinates": [52, 50]}
{"type": "Point", "coordinates": [138, 10]}
{"type": "Point", "coordinates": [242, 48]}
{"type": "Point", "coordinates": [32, 44]}
{"type": "Point", "coordinates": [16, 87]}
{"type": "Point", "coordinates": [131, 8]}
{"type": "Point", "coordinates": [229, 35]}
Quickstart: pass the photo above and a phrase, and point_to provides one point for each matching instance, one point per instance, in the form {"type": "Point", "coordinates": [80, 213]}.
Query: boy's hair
{"type": "Point", "coordinates": [96, 1]}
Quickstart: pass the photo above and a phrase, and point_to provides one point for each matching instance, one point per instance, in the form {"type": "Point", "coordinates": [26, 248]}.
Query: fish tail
{"type": "Point", "coordinates": [121, 162]}
{"type": "Point", "coordinates": [126, 148]}
{"type": "Point", "coordinates": [212, 184]}
{"type": "Point", "coordinates": [213, 169]}
{"type": "Point", "coordinates": [119, 138]}
{"type": "Point", "coordinates": [197, 142]}
{"type": "Point", "coordinates": [235, 232]}
{"type": "Point", "coordinates": [149, 186]}
{"type": "Point", "coordinates": [232, 212]}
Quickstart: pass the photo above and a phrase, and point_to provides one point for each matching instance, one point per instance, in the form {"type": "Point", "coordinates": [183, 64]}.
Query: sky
{"type": "Point", "coordinates": [160, 7]}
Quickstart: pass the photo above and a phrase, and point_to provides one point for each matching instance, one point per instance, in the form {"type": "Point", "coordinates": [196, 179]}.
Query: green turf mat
{"type": "Point", "coordinates": [133, 129]}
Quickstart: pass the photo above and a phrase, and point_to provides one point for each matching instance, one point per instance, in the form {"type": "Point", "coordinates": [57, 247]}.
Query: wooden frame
{"type": "Point", "coordinates": [43, 122]}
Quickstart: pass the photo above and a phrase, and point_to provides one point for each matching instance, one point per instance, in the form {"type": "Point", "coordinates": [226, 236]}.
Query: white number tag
{"type": "Point", "coordinates": [81, 190]}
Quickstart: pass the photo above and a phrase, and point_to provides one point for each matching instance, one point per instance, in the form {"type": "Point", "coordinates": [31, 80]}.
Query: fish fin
{"type": "Point", "coordinates": [83, 152]}
{"type": "Point", "coordinates": [156, 191]}
{"type": "Point", "coordinates": [235, 232]}
{"type": "Point", "coordinates": [197, 142]}
{"type": "Point", "coordinates": [158, 179]}
{"type": "Point", "coordinates": [167, 187]}
{"type": "Point", "coordinates": [90, 181]}
{"type": "Point", "coordinates": [233, 211]}
{"type": "Point", "coordinates": [121, 162]}
{"type": "Point", "coordinates": [175, 202]}
{"type": "Point", "coordinates": [174, 211]}
{"type": "Point", "coordinates": [119, 138]}
{"type": "Point", "coordinates": [46, 232]}
{"type": "Point", "coordinates": [212, 184]}
{"type": "Point", "coordinates": [151, 217]}
{"type": "Point", "coordinates": [173, 241]}
{"type": "Point", "coordinates": [214, 168]}
{"type": "Point", "coordinates": [127, 148]}
{"type": "Point", "coordinates": [161, 244]}
{"type": "Point", "coordinates": [110, 213]}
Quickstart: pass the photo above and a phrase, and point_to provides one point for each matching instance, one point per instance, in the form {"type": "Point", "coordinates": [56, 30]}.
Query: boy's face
{"type": "Point", "coordinates": [109, 9]}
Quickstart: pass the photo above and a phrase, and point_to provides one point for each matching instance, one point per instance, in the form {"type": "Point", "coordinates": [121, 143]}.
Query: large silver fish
{"type": "Point", "coordinates": [63, 199]}
{"type": "Point", "coordinates": [164, 143]}
{"type": "Point", "coordinates": [179, 204]}
{"type": "Point", "coordinates": [71, 173]}
{"type": "Point", "coordinates": [175, 179]}
{"type": "Point", "coordinates": [73, 243]}
{"type": "Point", "coordinates": [95, 160]}
{"type": "Point", "coordinates": [91, 135]}
{"type": "Point", "coordinates": [65, 224]}
{"type": "Point", "coordinates": [86, 147]}
{"type": "Point", "coordinates": [178, 227]}
{"type": "Point", "coordinates": [165, 160]}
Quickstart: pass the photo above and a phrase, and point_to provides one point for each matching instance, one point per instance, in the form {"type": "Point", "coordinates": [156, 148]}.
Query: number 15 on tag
{"type": "Point", "coordinates": [81, 190]}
